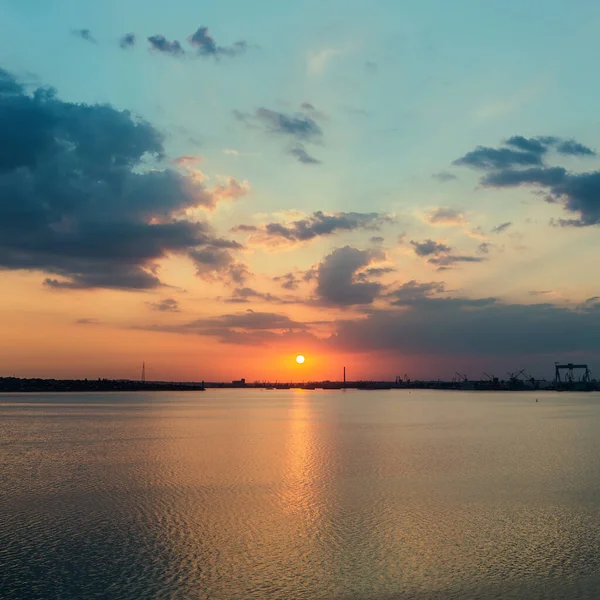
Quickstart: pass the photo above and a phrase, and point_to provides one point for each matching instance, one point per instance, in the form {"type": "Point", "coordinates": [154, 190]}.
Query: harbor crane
{"type": "Point", "coordinates": [570, 375]}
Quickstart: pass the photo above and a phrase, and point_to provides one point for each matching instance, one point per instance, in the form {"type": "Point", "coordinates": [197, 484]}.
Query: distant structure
{"type": "Point", "coordinates": [344, 376]}
{"type": "Point", "coordinates": [143, 372]}
{"type": "Point", "coordinates": [570, 375]}
{"type": "Point", "coordinates": [239, 383]}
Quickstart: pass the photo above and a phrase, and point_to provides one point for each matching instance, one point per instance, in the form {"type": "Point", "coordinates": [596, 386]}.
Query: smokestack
{"type": "Point", "coordinates": [344, 375]}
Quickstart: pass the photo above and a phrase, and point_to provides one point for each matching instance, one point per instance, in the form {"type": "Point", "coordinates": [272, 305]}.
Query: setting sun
{"type": "Point", "coordinates": [300, 359]}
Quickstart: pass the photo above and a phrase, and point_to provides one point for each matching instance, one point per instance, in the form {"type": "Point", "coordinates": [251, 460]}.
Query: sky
{"type": "Point", "coordinates": [398, 188]}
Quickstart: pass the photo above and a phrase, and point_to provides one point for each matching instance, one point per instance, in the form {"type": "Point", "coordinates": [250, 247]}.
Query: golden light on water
{"type": "Point", "coordinates": [300, 359]}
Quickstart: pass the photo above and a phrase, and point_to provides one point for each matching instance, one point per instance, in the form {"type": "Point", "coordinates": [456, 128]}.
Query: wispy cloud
{"type": "Point", "coordinates": [84, 34]}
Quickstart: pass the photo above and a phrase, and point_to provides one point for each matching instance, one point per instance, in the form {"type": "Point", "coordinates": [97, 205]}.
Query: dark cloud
{"type": "Point", "coordinates": [299, 129]}
{"type": "Point", "coordinates": [539, 292]}
{"type": "Point", "coordinates": [299, 126]}
{"type": "Point", "coordinates": [533, 145]}
{"type": "Point", "coordinates": [444, 176]}
{"type": "Point", "coordinates": [429, 248]}
{"type": "Point", "coordinates": [84, 34]}
{"type": "Point", "coordinates": [216, 263]}
{"type": "Point", "coordinates": [303, 156]}
{"type": "Point", "coordinates": [245, 328]}
{"type": "Point", "coordinates": [573, 148]}
{"type": "Point", "coordinates": [206, 46]}
{"type": "Point", "coordinates": [376, 239]}
{"type": "Point", "coordinates": [449, 260]}
{"type": "Point", "coordinates": [160, 43]}
{"type": "Point", "coordinates": [414, 291]}
{"type": "Point", "coordinates": [166, 305]}
{"type": "Point", "coordinates": [87, 321]}
{"type": "Point", "coordinates": [289, 281]}
{"type": "Point", "coordinates": [76, 202]}
{"type": "Point", "coordinates": [521, 152]}
{"type": "Point", "coordinates": [543, 176]}
{"type": "Point", "coordinates": [127, 41]}
{"type": "Point", "coordinates": [472, 327]}
{"type": "Point", "coordinates": [579, 193]}
{"type": "Point", "coordinates": [484, 248]}
{"type": "Point", "coordinates": [377, 271]}
{"type": "Point", "coordinates": [498, 158]}
{"type": "Point", "coordinates": [244, 229]}
{"type": "Point", "coordinates": [8, 84]}
{"type": "Point", "coordinates": [337, 280]}
{"type": "Point", "coordinates": [502, 227]}
{"type": "Point", "coordinates": [320, 223]}
{"type": "Point", "coordinates": [441, 255]}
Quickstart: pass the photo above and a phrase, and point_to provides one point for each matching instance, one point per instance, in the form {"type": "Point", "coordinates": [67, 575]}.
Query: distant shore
{"type": "Point", "coordinates": [16, 384]}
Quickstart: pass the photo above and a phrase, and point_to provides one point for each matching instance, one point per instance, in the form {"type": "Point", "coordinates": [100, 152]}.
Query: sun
{"type": "Point", "coordinates": [300, 359]}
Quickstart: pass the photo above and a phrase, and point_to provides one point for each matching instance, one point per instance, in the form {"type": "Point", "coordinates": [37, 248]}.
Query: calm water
{"type": "Point", "coordinates": [300, 494]}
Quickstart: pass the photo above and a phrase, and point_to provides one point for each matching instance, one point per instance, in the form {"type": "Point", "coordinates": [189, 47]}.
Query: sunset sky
{"type": "Point", "coordinates": [213, 188]}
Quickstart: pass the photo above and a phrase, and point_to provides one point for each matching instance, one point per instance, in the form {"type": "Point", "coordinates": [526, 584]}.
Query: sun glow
{"type": "Point", "coordinates": [300, 359]}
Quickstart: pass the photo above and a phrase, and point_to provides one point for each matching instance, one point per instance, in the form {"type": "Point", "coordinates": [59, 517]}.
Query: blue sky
{"type": "Point", "coordinates": [394, 94]}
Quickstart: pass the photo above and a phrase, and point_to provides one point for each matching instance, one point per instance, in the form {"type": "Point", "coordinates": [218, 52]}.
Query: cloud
{"type": "Point", "coordinates": [160, 43]}
{"type": "Point", "coordinates": [579, 193]}
{"type": "Point", "coordinates": [216, 263]}
{"type": "Point", "coordinates": [337, 279]}
{"type": "Point", "coordinates": [9, 86]}
{"type": "Point", "coordinates": [319, 224]}
{"type": "Point", "coordinates": [445, 216]}
{"type": "Point", "coordinates": [244, 295]}
{"type": "Point", "coordinates": [187, 160]}
{"type": "Point", "coordinates": [127, 41]}
{"type": "Point", "coordinates": [376, 239]}
{"type": "Point", "coordinates": [76, 201]}
{"type": "Point", "coordinates": [521, 152]}
{"type": "Point", "coordinates": [429, 247]}
{"type": "Point", "coordinates": [87, 321]}
{"type": "Point", "coordinates": [299, 126]}
{"type": "Point", "coordinates": [444, 176]}
{"type": "Point", "coordinates": [244, 328]}
{"type": "Point", "coordinates": [484, 248]}
{"type": "Point", "coordinates": [166, 305]}
{"type": "Point", "coordinates": [539, 292]}
{"type": "Point", "coordinates": [533, 145]}
{"type": "Point", "coordinates": [299, 129]}
{"type": "Point", "coordinates": [289, 281]}
{"type": "Point", "coordinates": [498, 158]}
{"type": "Point", "coordinates": [476, 233]}
{"type": "Point", "coordinates": [303, 156]}
{"type": "Point", "coordinates": [573, 148]}
{"type": "Point", "coordinates": [462, 327]}
{"type": "Point", "coordinates": [413, 291]}
{"type": "Point", "coordinates": [205, 45]}
{"type": "Point", "coordinates": [502, 227]}
{"type": "Point", "coordinates": [449, 260]}
{"type": "Point", "coordinates": [84, 34]}
{"type": "Point", "coordinates": [244, 229]}
{"type": "Point", "coordinates": [441, 255]}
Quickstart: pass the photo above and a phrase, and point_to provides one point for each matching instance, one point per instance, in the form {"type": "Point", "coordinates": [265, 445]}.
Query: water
{"type": "Point", "coordinates": [239, 494]}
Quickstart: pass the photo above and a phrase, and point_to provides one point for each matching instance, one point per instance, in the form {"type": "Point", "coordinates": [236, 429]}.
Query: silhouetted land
{"type": "Point", "coordinates": [15, 384]}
